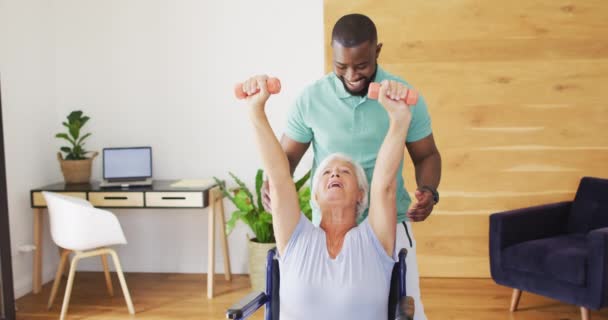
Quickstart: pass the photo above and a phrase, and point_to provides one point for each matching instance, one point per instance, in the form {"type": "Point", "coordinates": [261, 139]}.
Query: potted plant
{"type": "Point", "coordinates": [76, 168]}
{"type": "Point", "coordinates": [250, 210]}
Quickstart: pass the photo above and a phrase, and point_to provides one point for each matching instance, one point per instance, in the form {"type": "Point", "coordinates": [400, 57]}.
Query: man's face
{"type": "Point", "coordinates": [356, 66]}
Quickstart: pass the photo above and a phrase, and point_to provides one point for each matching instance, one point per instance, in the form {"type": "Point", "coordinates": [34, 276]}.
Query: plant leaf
{"type": "Point", "coordinates": [259, 221]}
{"type": "Point", "coordinates": [222, 186]}
{"type": "Point", "coordinates": [74, 116]}
{"type": "Point", "coordinates": [266, 217]}
{"type": "Point", "coordinates": [231, 223]}
{"type": "Point", "coordinates": [304, 199]}
{"type": "Point", "coordinates": [66, 137]}
{"type": "Point", "coordinates": [259, 182]}
{"type": "Point", "coordinates": [243, 186]}
{"type": "Point", "coordinates": [242, 201]}
{"type": "Point", "coordinates": [75, 131]}
{"type": "Point", "coordinates": [263, 231]}
{"type": "Point", "coordinates": [80, 141]}
{"type": "Point", "coordinates": [83, 121]}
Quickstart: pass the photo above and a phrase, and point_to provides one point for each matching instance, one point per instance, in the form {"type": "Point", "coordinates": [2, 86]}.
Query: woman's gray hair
{"type": "Point", "coordinates": [359, 173]}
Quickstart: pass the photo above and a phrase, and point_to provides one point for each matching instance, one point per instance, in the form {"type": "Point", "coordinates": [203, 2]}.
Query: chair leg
{"type": "Point", "coordinates": [106, 271]}
{"type": "Point", "coordinates": [515, 299]}
{"type": "Point", "coordinates": [123, 283]}
{"type": "Point", "coordinates": [63, 258]}
{"type": "Point", "coordinates": [585, 315]}
{"type": "Point", "coordinates": [64, 272]}
{"type": "Point", "coordinates": [68, 288]}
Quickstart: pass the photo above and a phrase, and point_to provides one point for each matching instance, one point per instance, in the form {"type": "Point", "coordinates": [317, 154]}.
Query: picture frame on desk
{"type": "Point", "coordinates": [7, 301]}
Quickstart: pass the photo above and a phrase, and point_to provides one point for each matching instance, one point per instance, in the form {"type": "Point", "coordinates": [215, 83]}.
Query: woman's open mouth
{"type": "Point", "coordinates": [335, 184]}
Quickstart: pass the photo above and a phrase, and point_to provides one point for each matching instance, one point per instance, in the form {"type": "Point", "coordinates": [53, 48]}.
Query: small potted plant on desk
{"type": "Point", "coordinates": [251, 211]}
{"type": "Point", "coordinates": [76, 168]}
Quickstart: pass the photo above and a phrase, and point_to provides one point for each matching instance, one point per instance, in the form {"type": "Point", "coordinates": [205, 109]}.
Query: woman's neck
{"type": "Point", "coordinates": [336, 222]}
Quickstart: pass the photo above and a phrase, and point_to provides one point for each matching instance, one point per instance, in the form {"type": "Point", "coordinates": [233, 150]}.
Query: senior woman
{"type": "Point", "coordinates": [339, 270]}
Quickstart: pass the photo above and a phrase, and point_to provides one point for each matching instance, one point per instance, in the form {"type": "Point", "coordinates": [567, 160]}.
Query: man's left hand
{"type": "Point", "coordinates": [423, 207]}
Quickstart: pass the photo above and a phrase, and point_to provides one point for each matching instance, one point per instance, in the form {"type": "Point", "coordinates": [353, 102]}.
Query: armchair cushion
{"type": "Point", "coordinates": [562, 258]}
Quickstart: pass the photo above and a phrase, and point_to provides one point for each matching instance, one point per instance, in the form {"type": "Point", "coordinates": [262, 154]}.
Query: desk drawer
{"type": "Point", "coordinates": [117, 199]}
{"type": "Point", "coordinates": [38, 198]}
{"type": "Point", "coordinates": [174, 199]}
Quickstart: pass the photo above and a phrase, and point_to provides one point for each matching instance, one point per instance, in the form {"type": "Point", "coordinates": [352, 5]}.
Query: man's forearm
{"type": "Point", "coordinates": [428, 171]}
{"type": "Point", "coordinates": [293, 164]}
{"type": "Point", "coordinates": [294, 150]}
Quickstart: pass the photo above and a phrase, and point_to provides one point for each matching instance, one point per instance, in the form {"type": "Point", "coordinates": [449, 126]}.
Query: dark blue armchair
{"type": "Point", "coordinates": [556, 250]}
{"type": "Point", "coordinates": [400, 306]}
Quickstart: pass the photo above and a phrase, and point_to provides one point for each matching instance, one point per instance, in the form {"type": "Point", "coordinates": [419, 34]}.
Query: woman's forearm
{"type": "Point", "coordinates": [274, 160]}
{"type": "Point", "coordinates": [390, 155]}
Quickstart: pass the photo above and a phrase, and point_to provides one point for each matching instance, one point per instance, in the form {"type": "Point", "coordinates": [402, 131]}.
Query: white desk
{"type": "Point", "coordinates": [159, 195]}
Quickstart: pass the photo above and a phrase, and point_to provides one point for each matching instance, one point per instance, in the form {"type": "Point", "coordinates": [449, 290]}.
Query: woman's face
{"type": "Point", "coordinates": [338, 185]}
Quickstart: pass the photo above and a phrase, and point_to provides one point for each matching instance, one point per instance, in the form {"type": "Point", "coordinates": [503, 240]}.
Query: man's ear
{"type": "Point", "coordinates": [378, 49]}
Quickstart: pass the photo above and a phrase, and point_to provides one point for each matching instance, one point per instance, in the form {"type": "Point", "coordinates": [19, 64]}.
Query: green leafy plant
{"type": "Point", "coordinates": [76, 120]}
{"type": "Point", "coordinates": [250, 209]}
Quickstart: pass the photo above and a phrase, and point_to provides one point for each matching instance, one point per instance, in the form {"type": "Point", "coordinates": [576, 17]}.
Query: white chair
{"type": "Point", "coordinates": [77, 226]}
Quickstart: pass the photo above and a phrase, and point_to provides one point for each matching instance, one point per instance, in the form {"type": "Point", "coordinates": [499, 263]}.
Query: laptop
{"type": "Point", "coordinates": [127, 167]}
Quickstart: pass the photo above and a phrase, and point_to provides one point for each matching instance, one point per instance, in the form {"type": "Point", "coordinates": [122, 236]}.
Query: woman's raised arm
{"type": "Point", "coordinates": [285, 204]}
{"type": "Point", "coordinates": [382, 204]}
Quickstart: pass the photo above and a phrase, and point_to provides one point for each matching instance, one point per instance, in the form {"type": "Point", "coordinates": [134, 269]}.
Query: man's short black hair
{"type": "Point", "coordinates": [354, 29]}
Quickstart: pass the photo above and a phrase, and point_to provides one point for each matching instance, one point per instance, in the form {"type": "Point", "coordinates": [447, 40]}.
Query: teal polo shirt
{"type": "Point", "coordinates": [336, 121]}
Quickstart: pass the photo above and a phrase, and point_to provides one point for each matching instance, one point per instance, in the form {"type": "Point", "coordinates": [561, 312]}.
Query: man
{"type": "Point", "coordinates": [335, 115]}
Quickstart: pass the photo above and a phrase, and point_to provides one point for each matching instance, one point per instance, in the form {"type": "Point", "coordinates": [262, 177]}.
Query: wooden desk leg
{"type": "Point", "coordinates": [37, 268]}
{"type": "Point", "coordinates": [222, 220]}
{"type": "Point", "coordinates": [211, 243]}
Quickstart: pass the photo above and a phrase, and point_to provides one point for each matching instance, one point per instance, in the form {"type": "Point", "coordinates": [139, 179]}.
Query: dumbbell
{"type": "Point", "coordinates": [273, 85]}
{"type": "Point", "coordinates": [411, 97]}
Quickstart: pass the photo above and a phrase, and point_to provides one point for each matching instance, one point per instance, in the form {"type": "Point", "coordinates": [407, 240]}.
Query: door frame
{"type": "Point", "coordinates": [6, 268]}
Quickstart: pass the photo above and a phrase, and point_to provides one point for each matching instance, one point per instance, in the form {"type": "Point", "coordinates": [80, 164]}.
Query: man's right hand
{"type": "Point", "coordinates": [266, 196]}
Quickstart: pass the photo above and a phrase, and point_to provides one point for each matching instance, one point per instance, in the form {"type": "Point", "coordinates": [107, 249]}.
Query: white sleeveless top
{"type": "Point", "coordinates": [353, 286]}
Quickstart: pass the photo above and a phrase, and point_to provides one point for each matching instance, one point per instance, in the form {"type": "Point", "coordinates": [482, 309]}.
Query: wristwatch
{"type": "Point", "coordinates": [432, 191]}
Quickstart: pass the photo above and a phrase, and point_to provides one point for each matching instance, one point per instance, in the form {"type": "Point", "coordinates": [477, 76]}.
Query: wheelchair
{"type": "Point", "coordinates": [400, 306]}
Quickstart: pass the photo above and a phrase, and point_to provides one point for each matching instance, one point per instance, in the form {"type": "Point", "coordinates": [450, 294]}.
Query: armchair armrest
{"type": "Point", "coordinates": [516, 226]}
{"type": "Point", "coordinates": [247, 305]}
{"type": "Point", "coordinates": [597, 278]}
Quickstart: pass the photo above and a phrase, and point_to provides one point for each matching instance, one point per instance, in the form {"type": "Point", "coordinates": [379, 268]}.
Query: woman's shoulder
{"type": "Point", "coordinates": [368, 241]}
{"type": "Point", "coordinates": [303, 237]}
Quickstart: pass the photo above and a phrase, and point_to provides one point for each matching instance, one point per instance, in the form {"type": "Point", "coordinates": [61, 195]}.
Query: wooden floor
{"type": "Point", "coordinates": [183, 296]}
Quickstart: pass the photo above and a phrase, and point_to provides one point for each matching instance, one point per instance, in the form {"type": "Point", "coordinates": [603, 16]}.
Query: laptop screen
{"type": "Point", "coordinates": [125, 163]}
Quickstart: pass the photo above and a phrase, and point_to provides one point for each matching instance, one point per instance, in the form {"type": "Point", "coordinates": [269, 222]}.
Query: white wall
{"type": "Point", "coordinates": [27, 77]}
{"type": "Point", "coordinates": [156, 73]}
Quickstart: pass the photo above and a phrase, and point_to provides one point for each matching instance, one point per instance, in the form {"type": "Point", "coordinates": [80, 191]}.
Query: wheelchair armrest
{"type": "Point", "coordinates": [405, 309]}
{"type": "Point", "coordinates": [247, 305]}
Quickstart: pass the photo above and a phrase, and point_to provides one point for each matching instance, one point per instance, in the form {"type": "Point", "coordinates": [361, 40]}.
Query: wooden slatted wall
{"type": "Point", "coordinates": [518, 95]}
